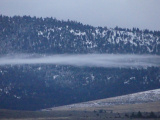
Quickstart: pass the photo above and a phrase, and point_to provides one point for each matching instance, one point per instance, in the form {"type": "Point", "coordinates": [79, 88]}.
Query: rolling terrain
{"type": "Point", "coordinates": [40, 86]}
{"type": "Point", "coordinates": [138, 106]}
{"type": "Point", "coordinates": [136, 99]}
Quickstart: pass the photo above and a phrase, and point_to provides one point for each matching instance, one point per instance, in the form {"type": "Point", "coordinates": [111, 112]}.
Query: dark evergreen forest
{"type": "Point", "coordinates": [33, 87]}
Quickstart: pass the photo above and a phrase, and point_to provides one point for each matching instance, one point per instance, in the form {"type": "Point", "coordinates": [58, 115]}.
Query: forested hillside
{"type": "Point", "coordinates": [33, 87]}
{"type": "Point", "coordinates": [47, 35]}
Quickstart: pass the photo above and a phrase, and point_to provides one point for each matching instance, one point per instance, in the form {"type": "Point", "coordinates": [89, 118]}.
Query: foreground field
{"type": "Point", "coordinates": [119, 112]}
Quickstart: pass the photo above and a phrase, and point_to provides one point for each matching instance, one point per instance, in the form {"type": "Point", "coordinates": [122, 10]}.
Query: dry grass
{"type": "Point", "coordinates": [144, 107]}
{"type": "Point", "coordinates": [109, 113]}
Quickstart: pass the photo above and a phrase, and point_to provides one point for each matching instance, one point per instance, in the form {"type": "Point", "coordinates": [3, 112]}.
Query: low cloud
{"type": "Point", "coordinates": [90, 60]}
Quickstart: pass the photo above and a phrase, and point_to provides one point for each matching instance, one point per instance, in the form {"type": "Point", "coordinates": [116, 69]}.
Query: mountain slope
{"type": "Point", "coordinates": [140, 97]}
{"type": "Point", "coordinates": [21, 86]}
{"type": "Point", "coordinates": [37, 35]}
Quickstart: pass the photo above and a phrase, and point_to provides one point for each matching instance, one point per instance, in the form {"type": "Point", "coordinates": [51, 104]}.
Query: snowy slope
{"type": "Point", "coordinates": [37, 35]}
{"type": "Point", "coordinates": [140, 97]}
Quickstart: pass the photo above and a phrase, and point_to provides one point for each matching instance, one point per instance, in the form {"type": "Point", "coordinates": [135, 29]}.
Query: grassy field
{"type": "Point", "coordinates": [127, 108]}
{"type": "Point", "coordinates": [120, 112]}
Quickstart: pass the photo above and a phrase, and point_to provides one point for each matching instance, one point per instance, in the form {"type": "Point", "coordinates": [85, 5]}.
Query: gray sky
{"type": "Point", "coordinates": [123, 13]}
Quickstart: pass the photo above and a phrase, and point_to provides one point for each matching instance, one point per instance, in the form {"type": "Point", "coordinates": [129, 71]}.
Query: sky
{"type": "Point", "coordinates": [143, 14]}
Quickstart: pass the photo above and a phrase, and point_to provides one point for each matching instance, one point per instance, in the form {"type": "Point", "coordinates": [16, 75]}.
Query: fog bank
{"type": "Point", "coordinates": [90, 60]}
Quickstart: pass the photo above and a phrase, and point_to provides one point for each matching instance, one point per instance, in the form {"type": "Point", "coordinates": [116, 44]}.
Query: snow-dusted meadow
{"type": "Point", "coordinates": [140, 97]}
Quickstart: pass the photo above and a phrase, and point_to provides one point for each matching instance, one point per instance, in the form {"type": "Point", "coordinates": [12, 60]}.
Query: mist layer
{"type": "Point", "coordinates": [89, 60]}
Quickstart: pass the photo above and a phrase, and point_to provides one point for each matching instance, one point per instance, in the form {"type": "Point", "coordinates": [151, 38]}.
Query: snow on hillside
{"type": "Point", "coordinates": [37, 35]}
{"type": "Point", "coordinates": [57, 85]}
{"type": "Point", "coordinates": [140, 97]}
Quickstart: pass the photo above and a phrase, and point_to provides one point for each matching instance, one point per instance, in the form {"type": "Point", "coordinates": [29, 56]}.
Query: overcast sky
{"type": "Point", "coordinates": [123, 13]}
